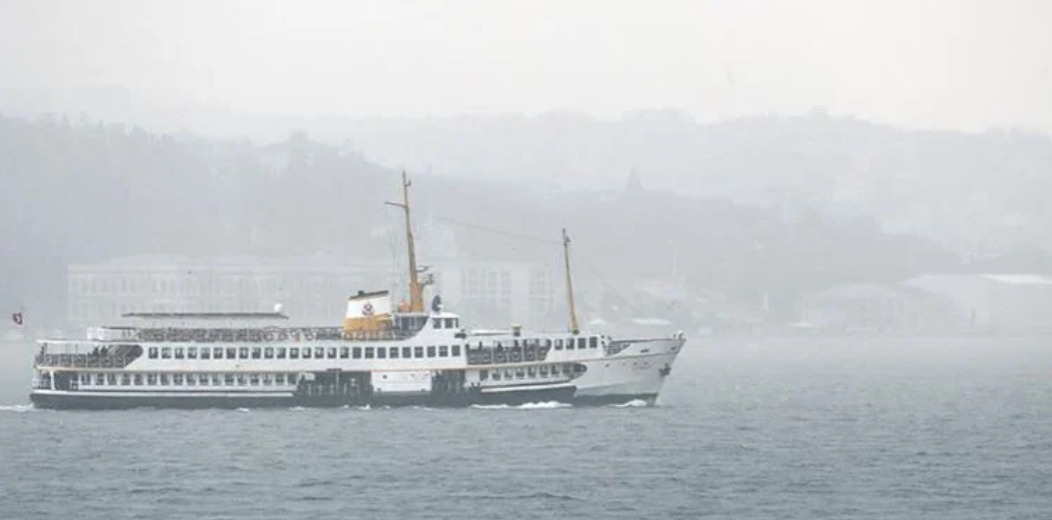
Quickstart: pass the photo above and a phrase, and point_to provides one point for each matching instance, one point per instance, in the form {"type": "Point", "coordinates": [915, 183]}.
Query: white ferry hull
{"type": "Point", "coordinates": [637, 372]}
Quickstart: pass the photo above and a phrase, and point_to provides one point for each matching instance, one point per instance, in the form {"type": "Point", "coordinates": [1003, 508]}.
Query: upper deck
{"type": "Point", "coordinates": [257, 328]}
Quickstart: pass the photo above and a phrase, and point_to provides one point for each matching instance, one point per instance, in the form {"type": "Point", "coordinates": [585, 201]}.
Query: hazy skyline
{"type": "Point", "coordinates": [966, 65]}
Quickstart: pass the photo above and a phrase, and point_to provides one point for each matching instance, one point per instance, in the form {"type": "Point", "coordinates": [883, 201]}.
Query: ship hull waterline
{"type": "Point", "coordinates": [66, 400]}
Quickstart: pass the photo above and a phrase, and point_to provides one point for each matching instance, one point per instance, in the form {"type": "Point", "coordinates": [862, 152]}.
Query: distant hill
{"type": "Point", "coordinates": [76, 191]}
{"type": "Point", "coordinates": [979, 194]}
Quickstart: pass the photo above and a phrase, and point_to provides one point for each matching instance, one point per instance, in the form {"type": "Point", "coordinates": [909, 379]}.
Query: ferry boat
{"type": "Point", "coordinates": [380, 356]}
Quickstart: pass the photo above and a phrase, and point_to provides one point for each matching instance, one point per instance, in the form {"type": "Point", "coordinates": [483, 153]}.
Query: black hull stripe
{"type": "Point", "coordinates": [72, 401]}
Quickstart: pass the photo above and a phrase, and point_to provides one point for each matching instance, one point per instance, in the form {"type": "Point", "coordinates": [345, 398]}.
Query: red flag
{"type": "Point", "coordinates": [17, 318]}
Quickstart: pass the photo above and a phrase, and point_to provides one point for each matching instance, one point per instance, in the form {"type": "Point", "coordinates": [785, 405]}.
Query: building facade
{"type": "Point", "coordinates": [312, 289]}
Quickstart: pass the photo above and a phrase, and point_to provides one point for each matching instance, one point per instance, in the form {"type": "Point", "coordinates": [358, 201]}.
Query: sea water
{"type": "Point", "coordinates": [849, 427]}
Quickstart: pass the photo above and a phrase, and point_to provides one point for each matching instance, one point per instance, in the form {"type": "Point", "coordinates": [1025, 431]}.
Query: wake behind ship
{"type": "Point", "coordinates": [380, 356]}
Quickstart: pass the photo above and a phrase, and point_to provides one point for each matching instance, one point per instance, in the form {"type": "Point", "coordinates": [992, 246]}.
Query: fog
{"type": "Point", "coordinates": [742, 168]}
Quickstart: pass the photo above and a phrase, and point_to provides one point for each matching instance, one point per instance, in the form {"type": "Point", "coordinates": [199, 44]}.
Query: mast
{"type": "Point", "coordinates": [569, 283]}
{"type": "Point", "coordinates": [416, 290]}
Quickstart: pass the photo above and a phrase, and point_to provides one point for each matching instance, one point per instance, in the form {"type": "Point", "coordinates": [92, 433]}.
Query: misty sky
{"type": "Point", "coordinates": [968, 64]}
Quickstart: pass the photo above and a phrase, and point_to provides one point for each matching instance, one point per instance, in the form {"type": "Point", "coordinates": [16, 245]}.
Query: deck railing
{"type": "Point", "coordinates": [275, 334]}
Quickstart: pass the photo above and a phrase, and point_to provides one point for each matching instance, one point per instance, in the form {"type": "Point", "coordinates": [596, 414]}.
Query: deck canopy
{"type": "Point", "coordinates": [206, 315]}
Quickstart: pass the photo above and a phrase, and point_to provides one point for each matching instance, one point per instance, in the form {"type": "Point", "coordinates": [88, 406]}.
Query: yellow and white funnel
{"type": "Point", "coordinates": [368, 312]}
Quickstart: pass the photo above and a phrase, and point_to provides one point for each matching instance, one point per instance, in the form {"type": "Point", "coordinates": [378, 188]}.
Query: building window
{"type": "Point", "coordinates": [443, 351]}
{"type": "Point", "coordinates": [431, 351]}
{"type": "Point", "coordinates": [456, 350]}
{"type": "Point", "coordinates": [268, 380]}
{"type": "Point", "coordinates": [191, 352]}
{"type": "Point", "coordinates": [217, 353]}
{"type": "Point", "coordinates": [407, 352]}
{"type": "Point", "coordinates": [381, 352]}
{"type": "Point", "coordinates": [164, 380]}
{"type": "Point", "coordinates": [569, 344]}
{"type": "Point", "coordinates": [294, 353]}
{"type": "Point", "coordinates": [191, 379]}
{"type": "Point", "coordinates": [581, 343]}
{"type": "Point", "coordinates": [449, 323]}
{"type": "Point", "coordinates": [268, 353]}
{"type": "Point", "coordinates": [179, 353]}
{"type": "Point", "coordinates": [279, 379]}
{"type": "Point", "coordinates": [166, 353]}
{"type": "Point", "coordinates": [254, 380]}
{"type": "Point", "coordinates": [177, 379]}
{"type": "Point", "coordinates": [319, 352]}
{"type": "Point", "coordinates": [231, 353]}
{"type": "Point", "coordinates": [206, 353]}
{"type": "Point", "coordinates": [257, 352]}
{"type": "Point", "coordinates": [558, 344]}
{"type": "Point", "coordinates": [228, 379]}
{"type": "Point", "coordinates": [241, 379]}
{"type": "Point", "coordinates": [368, 352]}
{"type": "Point", "coordinates": [151, 379]}
{"type": "Point", "coordinates": [217, 379]}
{"type": "Point", "coordinates": [281, 352]}
{"type": "Point", "coordinates": [531, 372]}
{"type": "Point", "coordinates": [356, 352]}
{"type": "Point", "coordinates": [593, 342]}
{"type": "Point", "coordinates": [100, 379]}
{"type": "Point", "coordinates": [111, 379]}
{"type": "Point", "coordinates": [153, 352]}
{"type": "Point", "coordinates": [418, 352]}
{"type": "Point", "coordinates": [483, 375]}
{"type": "Point", "coordinates": [436, 323]}
{"type": "Point", "coordinates": [496, 375]}
{"type": "Point", "coordinates": [137, 378]}
{"type": "Point", "coordinates": [394, 353]}
{"type": "Point", "coordinates": [125, 379]}
{"type": "Point", "coordinates": [332, 353]}
{"type": "Point", "coordinates": [544, 370]}
{"type": "Point", "coordinates": [306, 353]}
{"type": "Point", "coordinates": [242, 353]}
{"type": "Point", "coordinates": [345, 352]}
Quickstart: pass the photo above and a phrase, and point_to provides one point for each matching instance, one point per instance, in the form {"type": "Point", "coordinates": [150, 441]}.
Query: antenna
{"type": "Point", "coordinates": [569, 283]}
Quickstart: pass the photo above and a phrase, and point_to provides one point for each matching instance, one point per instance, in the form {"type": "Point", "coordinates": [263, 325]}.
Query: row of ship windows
{"type": "Point", "coordinates": [527, 372]}
{"type": "Point", "coordinates": [303, 353]}
{"type": "Point", "coordinates": [239, 379]}
{"type": "Point", "coordinates": [582, 343]}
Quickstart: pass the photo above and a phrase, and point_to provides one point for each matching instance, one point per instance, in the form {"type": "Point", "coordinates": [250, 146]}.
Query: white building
{"type": "Point", "coordinates": [310, 289]}
{"type": "Point", "coordinates": [1003, 302]}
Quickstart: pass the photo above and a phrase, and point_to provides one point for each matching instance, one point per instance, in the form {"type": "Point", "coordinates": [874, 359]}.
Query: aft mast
{"type": "Point", "coordinates": [416, 289]}
{"type": "Point", "coordinates": [569, 283]}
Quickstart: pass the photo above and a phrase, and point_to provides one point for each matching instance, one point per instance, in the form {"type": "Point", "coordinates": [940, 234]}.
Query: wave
{"type": "Point", "coordinates": [243, 410]}
{"type": "Point", "coordinates": [17, 408]}
{"type": "Point", "coordinates": [525, 496]}
{"type": "Point", "coordinates": [635, 403]}
{"type": "Point", "coordinates": [549, 405]}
